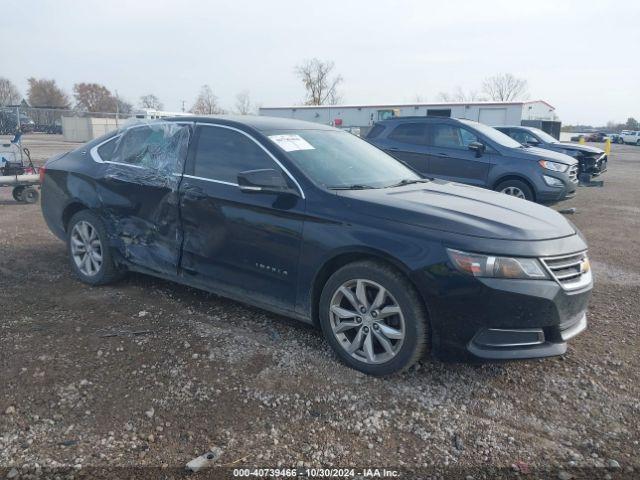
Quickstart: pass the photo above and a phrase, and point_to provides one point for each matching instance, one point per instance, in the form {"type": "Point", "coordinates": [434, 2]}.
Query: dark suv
{"type": "Point", "coordinates": [314, 223]}
{"type": "Point", "coordinates": [592, 160]}
{"type": "Point", "coordinates": [470, 152]}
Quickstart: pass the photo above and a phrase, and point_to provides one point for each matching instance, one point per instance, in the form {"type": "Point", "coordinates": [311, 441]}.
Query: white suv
{"type": "Point", "coordinates": [630, 136]}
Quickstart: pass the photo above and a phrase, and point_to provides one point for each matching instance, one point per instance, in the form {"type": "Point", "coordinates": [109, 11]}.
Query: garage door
{"type": "Point", "coordinates": [493, 116]}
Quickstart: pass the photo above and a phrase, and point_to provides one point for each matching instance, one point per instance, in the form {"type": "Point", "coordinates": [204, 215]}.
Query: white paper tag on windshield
{"type": "Point", "coordinates": [291, 143]}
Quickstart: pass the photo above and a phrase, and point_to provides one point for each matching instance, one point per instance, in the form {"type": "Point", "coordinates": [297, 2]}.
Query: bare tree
{"type": "Point", "coordinates": [505, 87]}
{"type": "Point", "coordinates": [94, 97]}
{"type": "Point", "coordinates": [321, 87]}
{"type": "Point", "coordinates": [9, 94]}
{"type": "Point", "coordinates": [124, 107]}
{"type": "Point", "coordinates": [459, 95]}
{"type": "Point", "coordinates": [206, 103]}
{"type": "Point", "coordinates": [151, 101]}
{"type": "Point", "coordinates": [243, 103]}
{"type": "Point", "coordinates": [45, 93]}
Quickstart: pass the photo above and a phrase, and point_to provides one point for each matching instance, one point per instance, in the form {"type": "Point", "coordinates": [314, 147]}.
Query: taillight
{"type": "Point", "coordinates": [42, 172]}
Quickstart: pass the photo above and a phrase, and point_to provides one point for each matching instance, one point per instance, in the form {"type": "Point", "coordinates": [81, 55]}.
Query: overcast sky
{"type": "Point", "coordinates": [583, 57]}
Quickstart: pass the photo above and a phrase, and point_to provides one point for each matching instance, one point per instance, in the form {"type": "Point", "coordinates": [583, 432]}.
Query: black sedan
{"type": "Point", "coordinates": [592, 160]}
{"type": "Point", "coordinates": [316, 224]}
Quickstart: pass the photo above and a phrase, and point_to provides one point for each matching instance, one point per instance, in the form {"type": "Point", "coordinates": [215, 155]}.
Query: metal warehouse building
{"type": "Point", "coordinates": [536, 113]}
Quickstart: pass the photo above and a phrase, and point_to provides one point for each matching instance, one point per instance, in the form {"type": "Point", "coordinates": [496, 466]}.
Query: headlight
{"type": "Point", "coordinates": [553, 166]}
{"type": "Point", "coordinates": [496, 267]}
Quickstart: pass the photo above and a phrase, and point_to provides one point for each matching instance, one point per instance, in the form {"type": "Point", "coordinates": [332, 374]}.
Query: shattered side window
{"type": "Point", "coordinates": [156, 146]}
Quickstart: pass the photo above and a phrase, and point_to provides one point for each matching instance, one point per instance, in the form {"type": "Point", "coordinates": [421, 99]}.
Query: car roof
{"type": "Point", "coordinates": [521, 127]}
{"type": "Point", "coordinates": [423, 118]}
{"type": "Point", "coordinates": [254, 121]}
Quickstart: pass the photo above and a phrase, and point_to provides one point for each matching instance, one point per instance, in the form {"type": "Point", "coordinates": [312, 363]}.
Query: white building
{"type": "Point", "coordinates": [363, 116]}
{"type": "Point", "coordinates": [83, 129]}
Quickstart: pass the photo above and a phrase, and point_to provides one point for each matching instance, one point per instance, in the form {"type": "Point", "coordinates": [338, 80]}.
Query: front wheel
{"type": "Point", "coordinates": [17, 193]}
{"type": "Point", "coordinates": [89, 252]}
{"type": "Point", "coordinates": [373, 318]}
{"type": "Point", "coordinates": [516, 188]}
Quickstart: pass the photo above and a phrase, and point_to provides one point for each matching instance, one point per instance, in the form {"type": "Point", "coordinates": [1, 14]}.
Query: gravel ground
{"type": "Point", "coordinates": [147, 373]}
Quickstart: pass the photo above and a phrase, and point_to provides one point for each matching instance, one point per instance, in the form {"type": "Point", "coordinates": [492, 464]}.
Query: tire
{"type": "Point", "coordinates": [83, 225]}
{"type": "Point", "coordinates": [17, 193]}
{"type": "Point", "coordinates": [30, 195]}
{"type": "Point", "coordinates": [518, 188]}
{"type": "Point", "coordinates": [405, 318]}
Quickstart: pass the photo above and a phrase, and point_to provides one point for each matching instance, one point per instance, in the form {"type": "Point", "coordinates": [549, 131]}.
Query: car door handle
{"type": "Point", "coordinates": [194, 193]}
{"type": "Point", "coordinates": [393, 148]}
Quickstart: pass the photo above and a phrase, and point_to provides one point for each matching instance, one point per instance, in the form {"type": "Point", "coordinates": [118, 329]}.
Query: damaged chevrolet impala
{"type": "Point", "coordinates": [313, 223]}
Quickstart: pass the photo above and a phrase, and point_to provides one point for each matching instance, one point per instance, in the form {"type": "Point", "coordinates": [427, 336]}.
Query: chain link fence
{"type": "Point", "coordinates": [49, 120]}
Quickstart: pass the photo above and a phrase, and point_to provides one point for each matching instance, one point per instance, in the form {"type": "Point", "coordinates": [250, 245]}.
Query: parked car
{"type": "Point", "coordinates": [473, 153]}
{"type": "Point", "coordinates": [596, 137]}
{"type": "Point", "coordinates": [576, 138]}
{"type": "Point", "coordinates": [615, 137]}
{"type": "Point", "coordinates": [9, 122]}
{"type": "Point", "coordinates": [51, 128]}
{"type": "Point", "coordinates": [592, 161]}
{"type": "Point", "coordinates": [314, 223]}
{"type": "Point", "coordinates": [630, 137]}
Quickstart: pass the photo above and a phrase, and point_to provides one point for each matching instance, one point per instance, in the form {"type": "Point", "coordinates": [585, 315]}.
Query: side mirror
{"type": "Point", "coordinates": [533, 142]}
{"type": "Point", "coordinates": [266, 180]}
{"type": "Point", "coordinates": [477, 147]}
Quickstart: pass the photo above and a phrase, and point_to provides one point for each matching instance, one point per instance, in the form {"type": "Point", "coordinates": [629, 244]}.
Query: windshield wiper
{"type": "Point", "coordinates": [407, 181]}
{"type": "Point", "coordinates": [352, 187]}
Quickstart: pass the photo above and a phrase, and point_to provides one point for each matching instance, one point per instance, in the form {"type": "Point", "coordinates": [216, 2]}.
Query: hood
{"type": "Point", "coordinates": [579, 148]}
{"type": "Point", "coordinates": [461, 209]}
{"type": "Point", "coordinates": [545, 154]}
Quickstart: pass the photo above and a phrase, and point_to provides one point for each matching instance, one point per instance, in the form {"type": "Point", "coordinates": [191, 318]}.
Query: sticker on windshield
{"type": "Point", "coordinates": [291, 143]}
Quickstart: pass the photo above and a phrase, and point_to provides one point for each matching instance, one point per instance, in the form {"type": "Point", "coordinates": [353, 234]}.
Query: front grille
{"type": "Point", "coordinates": [570, 271]}
{"type": "Point", "coordinates": [573, 173]}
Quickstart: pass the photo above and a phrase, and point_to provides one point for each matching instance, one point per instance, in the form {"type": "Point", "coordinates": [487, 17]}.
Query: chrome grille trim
{"type": "Point", "coordinates": [573, 173]}
{"type": "Point", "coordinates": [566, 270]}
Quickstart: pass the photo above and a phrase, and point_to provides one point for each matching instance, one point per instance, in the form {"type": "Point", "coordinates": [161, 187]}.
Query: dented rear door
{"type": "Point", "coordinates": [139, 193]}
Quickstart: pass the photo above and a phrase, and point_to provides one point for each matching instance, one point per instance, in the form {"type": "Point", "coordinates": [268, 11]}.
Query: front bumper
{"type": "Point", "coordinates": [502, 319]}
{"type": "Point", "coordinates": [593, 166]}
{"type": "Point", "coordinates": [512, 344]}
{"type": "Point", "coordinates": [549, 194]}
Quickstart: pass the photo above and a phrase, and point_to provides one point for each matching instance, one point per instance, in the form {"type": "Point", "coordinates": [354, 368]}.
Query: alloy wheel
{"type": "Point", "coordinates": [86, 248]}
{"type": "Point", "coordinates": [513, 191]}
{"type": "Point", "coordinates": [367, 321]}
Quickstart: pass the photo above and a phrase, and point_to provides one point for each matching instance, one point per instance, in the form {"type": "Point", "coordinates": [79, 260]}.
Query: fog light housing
{"type": "Point", "coordinates": [552, 181]}
{"type": "Point", "coordinates": [505, 338]}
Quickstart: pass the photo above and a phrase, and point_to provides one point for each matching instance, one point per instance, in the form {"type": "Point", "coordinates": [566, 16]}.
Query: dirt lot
{"type": "Point", "coordinates": [147, 373]}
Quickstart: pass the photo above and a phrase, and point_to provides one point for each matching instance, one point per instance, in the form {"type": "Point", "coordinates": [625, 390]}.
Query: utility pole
{"type": "Point", "coordinates": [183, 105]}
{"type": "Point", "coordinates": [117, 107]}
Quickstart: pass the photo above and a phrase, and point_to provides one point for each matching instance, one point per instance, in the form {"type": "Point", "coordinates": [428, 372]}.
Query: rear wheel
{"type": "Point", "coordinates": [373, 318]}
{"type": "Point", "coordinates": [515, 188]}
{"type": "Point", "coordinates": [30, 195]}
{"type": "Point", "coordinates": [89, 252]}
